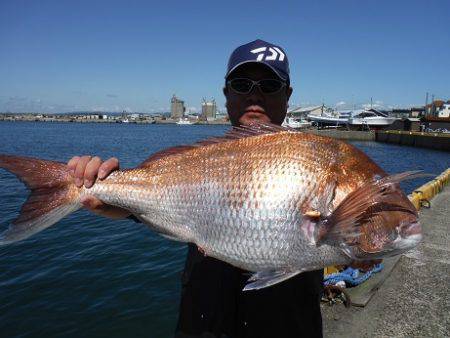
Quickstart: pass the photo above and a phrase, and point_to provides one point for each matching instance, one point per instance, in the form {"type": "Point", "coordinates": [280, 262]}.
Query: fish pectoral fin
{"type": "Point", "coordinates": [263, 279]}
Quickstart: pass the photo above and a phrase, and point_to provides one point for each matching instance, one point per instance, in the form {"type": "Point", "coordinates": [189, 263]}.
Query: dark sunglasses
{"type": "Point", "coordinates": [245, 86]}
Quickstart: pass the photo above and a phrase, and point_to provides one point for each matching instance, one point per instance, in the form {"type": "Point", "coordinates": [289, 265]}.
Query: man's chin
{"type": "Point", "coordinates": [252, 117]}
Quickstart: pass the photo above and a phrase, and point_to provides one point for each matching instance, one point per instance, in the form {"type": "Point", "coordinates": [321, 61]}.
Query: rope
{"type": "Point", "coordinates": [351, 276]}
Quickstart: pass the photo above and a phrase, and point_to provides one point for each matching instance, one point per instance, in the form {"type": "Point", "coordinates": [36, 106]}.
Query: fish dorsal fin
{"type": "Point", "coordinates": [236, 133]}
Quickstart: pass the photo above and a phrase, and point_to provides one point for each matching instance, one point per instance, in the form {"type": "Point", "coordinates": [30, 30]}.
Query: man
{"type": "Point", "coordinates": [257, 87]}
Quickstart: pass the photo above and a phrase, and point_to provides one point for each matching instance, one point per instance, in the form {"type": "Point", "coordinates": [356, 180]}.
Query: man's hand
{"type": "Point", "coordinates": [85, 170]}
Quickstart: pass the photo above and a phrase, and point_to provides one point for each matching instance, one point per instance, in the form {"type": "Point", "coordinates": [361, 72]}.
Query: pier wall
{"type": "Point", "coordinates": [438, 141]}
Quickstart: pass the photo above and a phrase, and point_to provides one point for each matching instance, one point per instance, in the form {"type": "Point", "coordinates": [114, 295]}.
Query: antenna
{"type": "Point", "coordinates": [432, 104]}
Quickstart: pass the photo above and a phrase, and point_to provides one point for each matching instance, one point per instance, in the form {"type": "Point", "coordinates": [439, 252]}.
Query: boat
{"type": "Point", "coordinates": [293, 122]}
{"type": "Point", "coordinates": [370, 119]}
{"type": "Point", "coordinates": [330, 119]}
{"type": "Point", "coordinates": [184, 121]}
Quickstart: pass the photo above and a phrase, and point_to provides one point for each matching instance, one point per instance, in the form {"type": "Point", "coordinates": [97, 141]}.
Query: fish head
{"type": "Point", "coordinates": [390, 227]}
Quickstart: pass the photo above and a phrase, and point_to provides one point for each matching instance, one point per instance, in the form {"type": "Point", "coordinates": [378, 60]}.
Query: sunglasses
{"type": "Point", "coordinates": [245, 86]}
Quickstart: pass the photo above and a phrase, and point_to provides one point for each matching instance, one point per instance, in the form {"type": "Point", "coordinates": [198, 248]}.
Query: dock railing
{"type": "Point", "coordinates": [421, 196]}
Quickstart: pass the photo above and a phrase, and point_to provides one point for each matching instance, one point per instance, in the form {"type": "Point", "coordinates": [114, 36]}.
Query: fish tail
{"type": "Point", "coordinates": [343, 226]}
{"type": "Point", "coordinates": [53, 195]}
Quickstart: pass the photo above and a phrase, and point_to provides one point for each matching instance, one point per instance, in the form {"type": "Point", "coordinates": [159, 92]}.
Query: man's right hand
{"type": "Point", "coordinates": [86, 170]}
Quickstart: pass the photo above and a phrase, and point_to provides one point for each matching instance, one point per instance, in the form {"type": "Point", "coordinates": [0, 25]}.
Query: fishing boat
{"type": "Point", "coordinates": [370, 119]}
{"type": "Point", "coordinates": [184, 121]}
{"type": "Point", "coordinates": [296, 123]}
{"type": "Point", "coordinates": [330, 119]}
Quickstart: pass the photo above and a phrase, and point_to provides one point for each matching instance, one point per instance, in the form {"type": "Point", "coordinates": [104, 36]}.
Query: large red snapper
{"type": "Point", "coordinates": [263, 198]}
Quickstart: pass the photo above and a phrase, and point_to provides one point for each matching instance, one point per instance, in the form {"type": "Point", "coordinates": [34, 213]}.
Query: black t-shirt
{"type": "Point", "coordinates": [214, 305]}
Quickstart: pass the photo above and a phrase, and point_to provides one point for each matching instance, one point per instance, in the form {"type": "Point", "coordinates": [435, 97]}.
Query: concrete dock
{"type": "Point", "coordinates": [438, 141]}
{"type": "Point", "coordinates": [353, 135]}
{"type": "Point", "coordinates": [414, 301]}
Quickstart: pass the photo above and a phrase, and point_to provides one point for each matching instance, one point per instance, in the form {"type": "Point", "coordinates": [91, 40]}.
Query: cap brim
{"type": "Point", "coordinates": [258, 62]}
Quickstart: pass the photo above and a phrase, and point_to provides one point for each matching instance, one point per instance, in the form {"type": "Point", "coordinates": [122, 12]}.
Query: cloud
{"type": "Point", "coordinates": [341, 103]}
{"type": "Point", "coordinates": [376, 105]}
{"type": "Point", "coordinates": [99, 108]}
{"type": "Point", "coordinates": [112, 96]}
{"type": "Point", "coordinates": [20, 104]}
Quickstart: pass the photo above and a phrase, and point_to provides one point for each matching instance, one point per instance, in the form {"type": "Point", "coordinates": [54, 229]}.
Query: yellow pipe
{"type": "Point", "coordinates": [430, 189]}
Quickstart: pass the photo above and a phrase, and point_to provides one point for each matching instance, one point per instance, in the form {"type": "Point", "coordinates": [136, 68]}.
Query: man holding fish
{"type": "Point", "coordinates": [265, 208]}
{"type": "Point", "coordinates": [257, 88]}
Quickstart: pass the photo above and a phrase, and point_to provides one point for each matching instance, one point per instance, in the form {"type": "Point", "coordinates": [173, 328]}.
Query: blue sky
{"type": "Point", "coordinates": [133, 55]}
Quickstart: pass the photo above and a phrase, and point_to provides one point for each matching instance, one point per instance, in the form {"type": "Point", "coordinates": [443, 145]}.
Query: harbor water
{"type": "Point", "coordinates": [89, 276]}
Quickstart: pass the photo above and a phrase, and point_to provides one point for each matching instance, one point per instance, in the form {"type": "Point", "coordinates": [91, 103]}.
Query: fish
{"type": "Point", "coordinates": [267, 199]}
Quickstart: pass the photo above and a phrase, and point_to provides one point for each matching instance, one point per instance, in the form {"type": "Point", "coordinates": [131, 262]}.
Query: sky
{"type": "Point", "coordinates": [62, 56]}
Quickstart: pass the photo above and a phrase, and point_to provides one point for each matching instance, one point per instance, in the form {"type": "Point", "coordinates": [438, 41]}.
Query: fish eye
{"type": "Point", "coordinates": [377, 177]}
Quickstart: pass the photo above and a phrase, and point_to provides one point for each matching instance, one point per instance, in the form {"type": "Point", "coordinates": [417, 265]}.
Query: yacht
{"type": "Point", "coordinates": [370, 118]}
{"type": "Point", "coordinates": [293, 122]}
{"type": "Point", "coordinates": [184, 121]}
{"type": "Point", "coordinates": [330, 119]}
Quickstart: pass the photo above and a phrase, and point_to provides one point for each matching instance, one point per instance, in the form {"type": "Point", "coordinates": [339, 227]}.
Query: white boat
{"type": "Point", "coordinates": [330, 119]}
{"type": "Point", "coordinates": [184, 121]}
{"type": "Point", "coordinates": [293, 122]}
{"type": "Point", "coordinates": [370, 118]}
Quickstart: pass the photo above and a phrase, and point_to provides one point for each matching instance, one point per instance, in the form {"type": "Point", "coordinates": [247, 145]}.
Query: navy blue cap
{"type": "Point", "coordinates": [263, 52]}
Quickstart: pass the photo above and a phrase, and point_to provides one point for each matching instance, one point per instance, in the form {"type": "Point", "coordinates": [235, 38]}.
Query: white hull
{"type": "Point", "coordinates": [328, 120]}
{"type": "Point", "coordinates": [371, 121]}
{"type": "Point", "coordinates": [184, 122]}
{"type": "Point", "coordinates": [293, 123]}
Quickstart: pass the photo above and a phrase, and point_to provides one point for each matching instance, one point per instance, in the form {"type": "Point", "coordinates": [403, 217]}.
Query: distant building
{"type": "Point", "coordinates": [209, 110]}
{"type": "Point", "coordinates": [417, 111]}
{"type": "Point", "coordinates": [444, 111]}
{"type": "Point", "coordinates": [403, 113]}
{"type": "Point", "coordinates": [135, 117]}
{"type": "Point", "coordinates": [177, 108]}
{"type": "Point", "coordinates": [434, 107]}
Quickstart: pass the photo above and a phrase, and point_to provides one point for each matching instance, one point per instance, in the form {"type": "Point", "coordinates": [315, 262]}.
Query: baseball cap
{"type": "Point", "coordinates": [260, 51]}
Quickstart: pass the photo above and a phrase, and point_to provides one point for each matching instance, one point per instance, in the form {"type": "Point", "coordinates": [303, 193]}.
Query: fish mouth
{"type": "Point", "coordinates": [408, 237]}
{"type": "Point", "coordinates": [412, 229]}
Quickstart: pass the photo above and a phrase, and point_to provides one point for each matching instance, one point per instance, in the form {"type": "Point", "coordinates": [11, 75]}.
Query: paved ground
{"type": "Point", "coordinates": [414, 301]}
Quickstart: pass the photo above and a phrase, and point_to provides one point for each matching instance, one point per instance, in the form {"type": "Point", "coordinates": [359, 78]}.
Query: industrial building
{"type": "Point", "coordinates": [209, 110]}
{"type": "Point", "coordinates": [177, 108]}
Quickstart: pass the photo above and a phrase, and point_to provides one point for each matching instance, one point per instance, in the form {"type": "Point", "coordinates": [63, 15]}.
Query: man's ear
{"type": "Point", "coordinates": [289, 91]}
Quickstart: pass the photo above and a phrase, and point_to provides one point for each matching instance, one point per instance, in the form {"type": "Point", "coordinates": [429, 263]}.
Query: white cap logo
{"type": "Point", "coordinates": [275, 53]}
